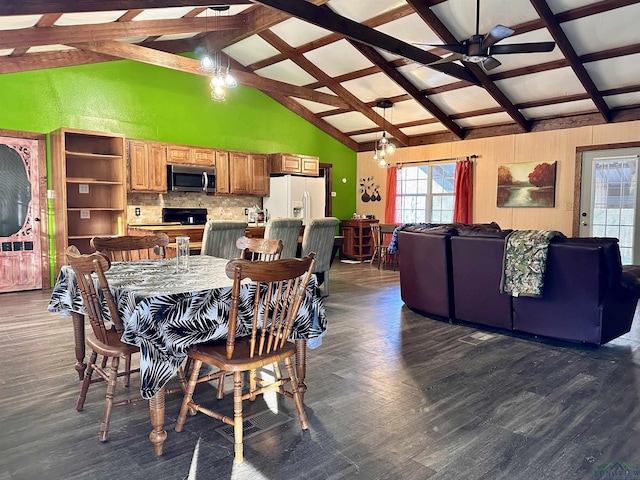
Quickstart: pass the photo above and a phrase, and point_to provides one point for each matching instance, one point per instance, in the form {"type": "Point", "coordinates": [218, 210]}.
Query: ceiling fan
{"type": "Point", "coordinates": [481, 48]}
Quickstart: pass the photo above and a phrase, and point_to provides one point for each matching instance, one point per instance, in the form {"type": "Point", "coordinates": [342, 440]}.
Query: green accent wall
{"type": "Point", "coordinates": [154, 103]}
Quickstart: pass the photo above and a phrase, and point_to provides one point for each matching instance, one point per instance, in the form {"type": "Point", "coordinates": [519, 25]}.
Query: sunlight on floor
{"type": "Point", "coordinates": [193, 469]}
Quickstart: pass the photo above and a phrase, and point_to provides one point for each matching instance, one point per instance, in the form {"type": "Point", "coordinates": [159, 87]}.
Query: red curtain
{"type": "Point", "coordinates": [463, 189]}
{"type": "Point", "coordinates": [390, 203]}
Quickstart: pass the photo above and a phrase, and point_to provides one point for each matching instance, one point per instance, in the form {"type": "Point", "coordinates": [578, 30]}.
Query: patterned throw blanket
{"type": "Point", "coordinates": [525, 261]}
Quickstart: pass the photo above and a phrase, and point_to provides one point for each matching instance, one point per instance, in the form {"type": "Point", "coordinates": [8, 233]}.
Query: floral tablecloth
{"type": "Point", "coordinates": [165, 312]}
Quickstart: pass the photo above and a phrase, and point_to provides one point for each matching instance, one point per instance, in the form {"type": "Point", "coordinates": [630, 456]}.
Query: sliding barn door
{"type": "Point", "coordinates": [20, 249]}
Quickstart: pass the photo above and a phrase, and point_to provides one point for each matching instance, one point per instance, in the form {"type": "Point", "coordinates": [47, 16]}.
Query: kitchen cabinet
{"type": "Point", "coordinates": [259, 165]}
{"type": "Point", "coordinates": [288, 163]}
{"type": "Point", "coordinates": [89, 183]}
{"type": "Point", "coordinates": [242, 173]}
{"type": "Point", "coordinates": [147, 166]}
{"type": "Point", "coordinates": [188, 155]}
{"type": "Point", "coordinates": [358, 243]}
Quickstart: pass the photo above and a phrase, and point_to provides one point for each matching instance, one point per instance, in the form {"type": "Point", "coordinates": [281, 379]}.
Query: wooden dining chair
{"type": "Point", "coordinates": [379, 250]}
{"type": "Point", "coordinates": [280, 287]}
{"type": "Point", "coordinates": [261, 249]}
{"type": "Point", "coordinates": [104, 339]}
{"type": "Point", "coordinates": [127, 248]}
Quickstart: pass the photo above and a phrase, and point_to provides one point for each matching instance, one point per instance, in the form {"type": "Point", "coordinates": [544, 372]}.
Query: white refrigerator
{"type": "Point", "coordinates": [295, 197]}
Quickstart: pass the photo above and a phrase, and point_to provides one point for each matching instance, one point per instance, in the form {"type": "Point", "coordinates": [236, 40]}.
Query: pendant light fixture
{"type": "Point", "coordinates": [383, 147]}
{"type": "Point", "coordinates": [221, 76]}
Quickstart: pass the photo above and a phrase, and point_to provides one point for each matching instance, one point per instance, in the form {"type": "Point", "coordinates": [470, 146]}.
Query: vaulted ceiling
{"type": "Point", "coordinates": [330, 61]}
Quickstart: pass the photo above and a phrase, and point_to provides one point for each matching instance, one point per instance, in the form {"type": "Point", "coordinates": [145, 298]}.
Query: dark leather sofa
{"type": "Point", "coordinates": [453, 272]}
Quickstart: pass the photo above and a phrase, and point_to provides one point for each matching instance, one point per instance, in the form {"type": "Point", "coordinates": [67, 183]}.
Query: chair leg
{"type": "Point", "coordinates": [237, 417]}
{"type": "Point", "coordinates": [220, 393]}
{"type": "Point", "coordinates": [86, 382]}
{"type": "Point", "coordinates": [188, 396]}
{"type": "Point", "coordinates": [127, 368]}
{"type": "Point", "coordinates": [297, 398]}
{"type": "Point", "coordinates": [108, 401]}
{"type": "Point", "coordinates": [325, 284]}
{"type": "Point", "coordinates": [252, 383]}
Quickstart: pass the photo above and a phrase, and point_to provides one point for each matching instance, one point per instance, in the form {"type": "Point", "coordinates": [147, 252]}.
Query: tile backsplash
{"type": "Point", "coordinates": [218, 207]}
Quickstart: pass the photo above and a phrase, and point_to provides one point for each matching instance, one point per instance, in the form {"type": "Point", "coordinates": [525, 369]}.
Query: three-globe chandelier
{"type": "Point", "coordinates": [221, 78]}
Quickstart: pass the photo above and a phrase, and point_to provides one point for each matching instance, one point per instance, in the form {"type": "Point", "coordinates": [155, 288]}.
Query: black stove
{"type": "Point", "coordinates": [186, 216]}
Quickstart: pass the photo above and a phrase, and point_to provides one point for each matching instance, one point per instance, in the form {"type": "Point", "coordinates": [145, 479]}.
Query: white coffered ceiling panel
{"type": "Point", "coordinates": [615, 72]}
{"type": "Point", "coordinates": [361, 10]}
{"type": "Point", "coordinates": [350, 121]}
{"type": "Point", "coordinates": [366, 137]}
{"type": "Point", "coordinates": [480, 120]}
{"type": "Point", "coordinates": [615, 28]}
{"type": "Point", "coordinates": [372, 87]}
{"type": "Point", "coordinates": [559, 109]}
{"type": "Point", "coordinates": [615, 101]}
{"type": "Point", "coordinates": [233, 10]}
{"type": "Point", "coordinates": [16, 22]}
{"type": "Point", "coordinates": [296, 32]}
{"type": "Point", "coordinates": [286, 71]}
{"type": "Point", "coordinates": [92, 18]}
{"type": "Point", "coordinates": [424, 129]}
{"type": "Point", "coordinates": [49, 48]}
{"type": "Point", "coordinates": [467, 99]}
{"type": "Point", "coordinates": [252, 50]}
{"type": "Point", "coordinates": [536, 86]}
{"type": "Point", "coordinates": [338, 58]}
{"type": "Point", "coordinates": [406, 111]}
{"type": "Point", "coordinates": [163, 13]}
{"type": "Point", "coordinates": [314, 107]}
{"type": "Point", "coordinates": [410, 29]}
{"type": "Point", "coordinates": [177, 36]}
{"type": "Point", "coordinates": [425, 77]}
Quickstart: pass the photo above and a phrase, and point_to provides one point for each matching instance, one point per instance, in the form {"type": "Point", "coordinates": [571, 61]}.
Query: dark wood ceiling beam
{"type": "Point", "coordinates": [27, 37]}
{"type": "Point", "coordinates": [593, 9]}
{"type": "Point", "coordinates": [189, 65]}
{"type": "Point", "coordinates": [621, 90]}
{"type": "Point", "coordinates": [130, 15]}
{"type": "Point", "coordinates": [415, 123]}
{"type": "Point", "coordinates": [541, 67]}
{"type": "Point", "coordinates": [331, 21]}
{"type": "Point", "coordinates": [570, 54]}
{"type": "Point", "coordinates": [553, 101]}
{"type": "Point", "coordinates": [338, 89]}
{"type": "Point", "coordinates": [409, 87]}
{"type": "Point", "coordinates": [441, 30]}
{"type": "Point", "coordinates": [611, 53]}
{"type": "Point", "coordinates": [43, 60]}
{"type": "Point", "coordinates": [39, 7]}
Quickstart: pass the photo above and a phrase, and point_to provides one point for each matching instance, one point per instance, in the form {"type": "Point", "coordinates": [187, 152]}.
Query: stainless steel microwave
{"type": "Point", "coordinates": [191, 178]}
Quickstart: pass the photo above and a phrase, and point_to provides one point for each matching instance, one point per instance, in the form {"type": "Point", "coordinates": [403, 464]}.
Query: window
{"type": "Point", "coordinates": [424, 194]}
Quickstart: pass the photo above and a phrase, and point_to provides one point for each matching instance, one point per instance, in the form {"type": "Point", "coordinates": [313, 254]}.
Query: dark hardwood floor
{"type": "Point", "coordinates": [392, 395]}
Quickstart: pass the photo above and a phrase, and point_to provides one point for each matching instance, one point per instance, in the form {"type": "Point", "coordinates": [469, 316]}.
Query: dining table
{"type": "Point", "coordinates": [165, 311]}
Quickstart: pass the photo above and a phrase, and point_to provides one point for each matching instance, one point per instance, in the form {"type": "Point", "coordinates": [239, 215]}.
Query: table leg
{"type": "Point", "coordinates": [78, 335]}
{"type": "Point", "coordinates": [301, 366]}
{"type": "Point", "coordinates": [156, 413]}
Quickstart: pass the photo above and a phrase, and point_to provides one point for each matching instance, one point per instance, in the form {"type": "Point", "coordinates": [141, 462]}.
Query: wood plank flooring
{"type": "Point", "coordinates": [392, 395]}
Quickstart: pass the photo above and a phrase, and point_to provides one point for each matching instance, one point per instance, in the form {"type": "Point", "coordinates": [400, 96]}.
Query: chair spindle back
{"type": "Point", "coordinates": [259, 249]}
{"type": "Point", "coordinates": [128, 248]}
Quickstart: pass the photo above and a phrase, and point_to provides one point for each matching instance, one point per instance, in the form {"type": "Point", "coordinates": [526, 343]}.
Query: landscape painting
{"type": "Point", "coordinates": [530, 184]}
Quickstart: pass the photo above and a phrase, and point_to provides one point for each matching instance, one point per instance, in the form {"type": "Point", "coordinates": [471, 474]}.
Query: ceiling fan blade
{"type": "Point", "coordinates": [523, 48]}
{"type": "Point", "coordinates": [452, 47]}
{"type": "Point", "coordinates": [490, 63]}
{"type": "Point", "coordinates": [497, 33]}
{"type": "Point", "coordinates": [451, 58]}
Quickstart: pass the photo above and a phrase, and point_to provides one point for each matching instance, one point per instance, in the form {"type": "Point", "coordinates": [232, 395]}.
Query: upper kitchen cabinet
{"type": "Point", "coordinates": [187, 155]}
{"type": "Point", "coordinates": [147, 165]}
{"type": "Point", "coordinates": [288, 163]}
{"type": "Point", "coordinates": [89, 182]}
{"type": "Point", "coordinates": [241, 173]}
{"type": "Point", "coordinates": [259, 165]}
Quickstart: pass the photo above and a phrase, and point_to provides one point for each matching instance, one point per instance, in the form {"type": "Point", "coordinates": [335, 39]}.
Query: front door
{"type": "Point", "coordinates": [609, 199]}
{"type": "Point", "coordinates": [20, 249]}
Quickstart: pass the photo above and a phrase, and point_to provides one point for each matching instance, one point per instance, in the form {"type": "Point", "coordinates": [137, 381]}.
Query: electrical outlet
{"type": "Point", "coordinates": [334, 194]}
{"type": "Point", "coordinates": [246, 211]}
{"type": "Point", "coordinates": [85, 214]}
{"type": "Point", "coordinates": [83, 188]}
{"type": "Point", "coordinates": [137, 211]}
